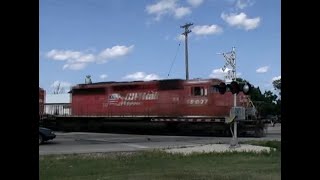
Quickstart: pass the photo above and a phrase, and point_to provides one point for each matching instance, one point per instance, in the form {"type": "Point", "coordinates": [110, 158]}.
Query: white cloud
{"type": "Point", "coordinates": [241, 21]}
{"type": "Point", "coordinates": [207, 29]}
{"type": "Point", "coordinates": [114, 52]}
{"type": "Point", "coordinates": [161, 8]}
{"type": "Point", "coordinates": [181, 11]}
{"type": "Point", "coordinates": [76, 60]}
{"type": "Point", "coordinates": [263, 69]}
{"type": "Point", "coordinates": [141, 76]}
{"type": "Point", "coordinates": [86, 58]}
{"type": "Point", "coordinates": [62, 55]}
{"type": "Point", "coordinates": [74, 66]}
{"type": "Point", "coordinates": [219, 74]}
{"type": "Point", "coordinates": [103, 76]}
{"type": "Point", "coordinates": [276, 78]}
{"type": "Point", "coordinates": [167, 7]}
{"type": "Point", "coordinates": [195, 3]}
{"type": "Point", "coordinates": [241, 4]}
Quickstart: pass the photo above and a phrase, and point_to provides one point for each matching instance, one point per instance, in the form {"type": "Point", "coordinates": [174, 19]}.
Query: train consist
{"type": "Point", "coordinates": [171, 101]}
{"type": "Point", "coordinates": [41, 101]}
{"type": "Point", "coordinates": [160, 98]}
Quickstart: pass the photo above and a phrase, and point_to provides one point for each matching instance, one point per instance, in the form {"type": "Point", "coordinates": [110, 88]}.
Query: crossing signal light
{"type": "Point", "coordinates": [234, 87]}
{"type": "Point", "coordinates": [222, 87]}
{"type": "Point", "coordinates": [246, 88]}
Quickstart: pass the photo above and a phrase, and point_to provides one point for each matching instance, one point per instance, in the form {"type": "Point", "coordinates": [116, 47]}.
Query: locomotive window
{"type": "Point", "coordinates": [199, 91]}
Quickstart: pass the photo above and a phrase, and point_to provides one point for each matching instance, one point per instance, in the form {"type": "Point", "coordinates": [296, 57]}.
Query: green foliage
{"type": "Point", "coordinates": [277, 85]}
{"type": "Point", "coordinates": [266, 103]}
{"type": "Point", "coordinates": [239, 80]}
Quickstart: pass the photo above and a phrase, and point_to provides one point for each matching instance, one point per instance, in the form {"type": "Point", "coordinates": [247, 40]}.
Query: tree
{"type": "Point", "coordinates": [239, 80]}
{"type": "Point", "coordinates": [58, 89]}
{"type": "Point", "coordinates": [270, 97]}
{"type": "Point", "coordinates": [256, 94]}
{"type": "Point", "coordinates": [277, 85]}
{"type": "Point", "coordinates": [266, 103]}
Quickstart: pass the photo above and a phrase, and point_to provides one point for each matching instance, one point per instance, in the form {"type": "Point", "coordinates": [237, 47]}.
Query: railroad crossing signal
{"type": "Point", "coordinates": [234, 87]}
{"type": "Point", "coordinates": [246, 88]}
{"type": "Point", "coordinates": [222, 87]}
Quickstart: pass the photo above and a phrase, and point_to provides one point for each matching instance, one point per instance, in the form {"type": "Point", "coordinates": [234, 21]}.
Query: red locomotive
{"type": "Point", "coordinates": [159, 100]}
{"type": "Point", "coordinates": [174, 102]}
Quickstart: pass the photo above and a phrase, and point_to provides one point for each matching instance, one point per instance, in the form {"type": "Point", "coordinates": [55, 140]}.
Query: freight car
{"type": "Point", "coordinates": [41, 101]}
{"type": "Point", "coordinates": [171, 101]}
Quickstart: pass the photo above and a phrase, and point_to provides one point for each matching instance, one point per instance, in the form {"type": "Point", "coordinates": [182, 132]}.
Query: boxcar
{"type": "Point", "coordinates": [41, 101]}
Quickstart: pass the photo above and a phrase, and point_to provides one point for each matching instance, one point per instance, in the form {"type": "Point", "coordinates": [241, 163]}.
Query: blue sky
{"type": "Point", "coordinates": [121, 40]}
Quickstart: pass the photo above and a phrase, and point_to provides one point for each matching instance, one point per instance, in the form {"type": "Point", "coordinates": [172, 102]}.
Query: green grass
{"type": "Point", "coordinates": [273, 144]}
{"type": "Point", "coordinates": [161, 165]}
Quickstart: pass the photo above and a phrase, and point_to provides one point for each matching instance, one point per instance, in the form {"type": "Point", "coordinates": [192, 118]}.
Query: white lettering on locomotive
{"type": "Point", "coordinates": [197, 101]}
{"type": "Point", "coordinates": [130, 98]}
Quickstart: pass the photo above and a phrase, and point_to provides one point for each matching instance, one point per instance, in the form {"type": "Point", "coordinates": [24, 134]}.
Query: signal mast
{"type": "Point", "coordinates": [230, 58]}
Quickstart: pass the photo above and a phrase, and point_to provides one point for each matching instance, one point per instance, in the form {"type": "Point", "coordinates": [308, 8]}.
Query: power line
{"type": "Point", "coordinates": [174, 59]}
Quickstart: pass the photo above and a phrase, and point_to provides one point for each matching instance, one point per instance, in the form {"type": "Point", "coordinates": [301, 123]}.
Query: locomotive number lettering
{"type": "Point", "coordinates": [197, 101]}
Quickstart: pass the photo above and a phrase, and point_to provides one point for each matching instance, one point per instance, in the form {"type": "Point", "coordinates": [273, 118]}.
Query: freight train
{"type": "Point", "coordinates": [41, 101]}
{"type": "Point", "coordinates": [171, 101]}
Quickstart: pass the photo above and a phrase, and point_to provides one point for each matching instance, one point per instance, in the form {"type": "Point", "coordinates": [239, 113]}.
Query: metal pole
{"type": "Point", "coordinates": [234, 142]}
{"type": "Point", "coordinates": [186, 32]}
{"type": "Point", "coordinates": [186, 50]}
{"type": "Point", "coordinates": [231, 60]}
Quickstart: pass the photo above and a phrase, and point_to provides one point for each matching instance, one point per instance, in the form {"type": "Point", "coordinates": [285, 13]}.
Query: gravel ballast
{"type": "Point", "coordinates": [219, 148]}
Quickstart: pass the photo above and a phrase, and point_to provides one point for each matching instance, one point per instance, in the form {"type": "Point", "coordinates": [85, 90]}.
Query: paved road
{"type": "Point", "coordinates": [82, 142]}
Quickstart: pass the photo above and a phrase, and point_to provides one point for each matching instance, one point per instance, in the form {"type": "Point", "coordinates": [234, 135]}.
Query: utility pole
{"type": "Point", "coordinates": [186, 32]}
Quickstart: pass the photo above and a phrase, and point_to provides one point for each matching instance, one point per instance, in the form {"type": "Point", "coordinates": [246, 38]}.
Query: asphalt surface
{"type": "Point", "coordinates": [83, 142]}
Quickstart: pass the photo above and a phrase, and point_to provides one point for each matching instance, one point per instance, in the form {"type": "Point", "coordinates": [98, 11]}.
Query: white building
{"type": "Point", "coordinates": [57, 104]}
